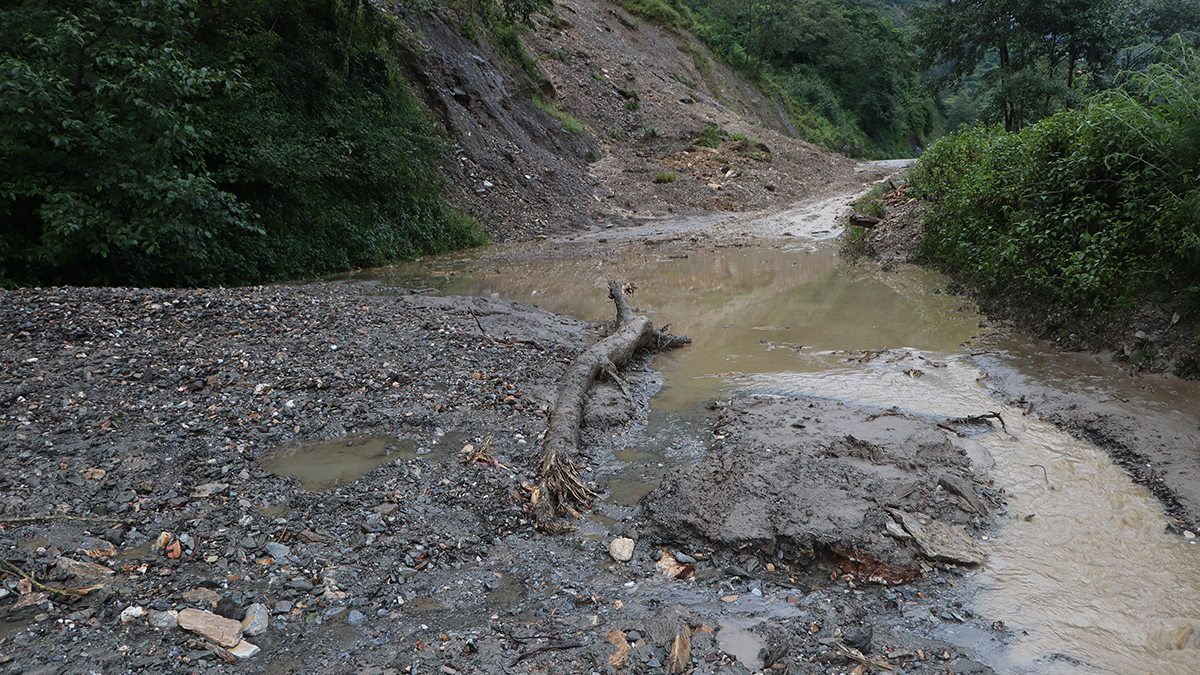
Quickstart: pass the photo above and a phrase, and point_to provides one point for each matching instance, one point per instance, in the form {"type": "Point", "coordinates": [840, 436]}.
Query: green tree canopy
{"type": "Point", "coordinates": [185, 142]}
{"type": "Point", "coordinates": [1043, 49]}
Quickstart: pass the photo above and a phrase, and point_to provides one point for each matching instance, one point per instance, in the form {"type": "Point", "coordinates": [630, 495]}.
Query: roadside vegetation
{"type": "Point", "coordinates": [167, 143]}
{"type": "Point", "coordinates": [844, 71]}
{"type": "Point", "coordinates": [1088, 213]}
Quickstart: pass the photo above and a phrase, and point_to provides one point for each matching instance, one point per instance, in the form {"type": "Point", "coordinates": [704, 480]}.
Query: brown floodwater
{"type": "Point", "coordinates": [1082, 565]}
{"type": "Point", "coordinates": [748, 309]}
{"type": "Point", "coordinates": [1081, 570]}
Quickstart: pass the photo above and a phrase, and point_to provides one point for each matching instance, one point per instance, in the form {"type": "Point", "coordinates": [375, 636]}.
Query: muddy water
{"type": "Point", "coordinates": [1081, 571]}
{"type": "Point", "coordinates": [1081, 567]}
{"type": "Point", "coordinates": [321, 466]}
{"type": "Point", "coordinates": [748, 310]}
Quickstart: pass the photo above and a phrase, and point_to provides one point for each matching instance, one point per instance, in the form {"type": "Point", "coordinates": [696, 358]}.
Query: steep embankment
{"type": "Point", "coordinates": [661, 128]}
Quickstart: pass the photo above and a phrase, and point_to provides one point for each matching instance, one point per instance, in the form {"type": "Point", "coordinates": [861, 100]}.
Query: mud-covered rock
{"type": "Point", "coordinates": [790, 476]}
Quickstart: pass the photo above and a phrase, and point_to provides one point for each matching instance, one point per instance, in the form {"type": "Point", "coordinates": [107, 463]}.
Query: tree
{"type": "Point", "coordinates": [1043, 47]}
{"type": "Point", "coordinates": [100, 154]}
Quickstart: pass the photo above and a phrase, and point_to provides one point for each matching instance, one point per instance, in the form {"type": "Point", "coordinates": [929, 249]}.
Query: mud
{"type": "Point", "coordinates": [423, 563]}
{"type": "Point", "coordinates": [796, 477]}
{"type": "Point", "coordinates": [1147, 422]}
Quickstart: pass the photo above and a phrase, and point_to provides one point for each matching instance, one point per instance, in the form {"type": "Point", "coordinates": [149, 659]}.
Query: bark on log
{"type": "Point", "coordinates": [561, 490]}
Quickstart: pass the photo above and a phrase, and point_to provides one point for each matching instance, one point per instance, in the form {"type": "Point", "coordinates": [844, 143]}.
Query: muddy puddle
{"type": "Point", "coordinates": [1082, 574]}
{"type": "Point", "coordinates": [321, 466]}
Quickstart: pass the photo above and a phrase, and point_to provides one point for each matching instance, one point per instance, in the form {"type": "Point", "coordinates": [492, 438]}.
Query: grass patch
{"type": "Point", "coordinates": [872, 203]}
{"type": "Point", "coordinates": [507, 41]}
{"type": "Point", "coordinates": [857, 243]}
{"type": "Point", "coordinates": [666, 177]}
{"type": "Point", "coordinates": [684, 80]}
{"type": "Point", "coordinates": [670, 13]}
{"type": "Point", "coordinates": [569, 121]}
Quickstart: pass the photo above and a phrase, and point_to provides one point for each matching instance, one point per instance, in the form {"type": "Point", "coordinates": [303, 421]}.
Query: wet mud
{"type": "Point", "coordinates": [357, 459]}
{"type": "Point", "coordinates": [139, 427]}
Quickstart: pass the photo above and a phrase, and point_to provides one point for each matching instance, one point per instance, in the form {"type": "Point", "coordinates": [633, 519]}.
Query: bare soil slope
{"type": "Point", "coordinates": [643, 95]}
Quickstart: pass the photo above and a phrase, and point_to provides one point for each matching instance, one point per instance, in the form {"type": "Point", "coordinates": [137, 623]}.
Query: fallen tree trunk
{"type": "Point", "coordinates": [561, 490]}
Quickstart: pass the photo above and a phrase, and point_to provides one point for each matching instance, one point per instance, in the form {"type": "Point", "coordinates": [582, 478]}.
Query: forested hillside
{"type": "Point", "coordinates": [169, 142]}
{"type": "Point", "coordinates": [1023, 61]}
{"type": "Point", "coordinates": [177, 142]}
{"type": "Point", "coordinates": [846, 68]}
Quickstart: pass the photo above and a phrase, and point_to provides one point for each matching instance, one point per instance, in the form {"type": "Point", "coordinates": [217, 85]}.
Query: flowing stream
{"type": "Point", "coordinates": [1081, 570]}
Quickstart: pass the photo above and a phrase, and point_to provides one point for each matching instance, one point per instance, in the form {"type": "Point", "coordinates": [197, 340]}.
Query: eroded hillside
{"type": "Point", "coordinates": [649, 102]}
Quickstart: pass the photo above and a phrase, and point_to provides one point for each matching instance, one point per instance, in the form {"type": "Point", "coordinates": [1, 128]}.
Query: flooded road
{"type": "Point", "coordinates": [1082, 574]}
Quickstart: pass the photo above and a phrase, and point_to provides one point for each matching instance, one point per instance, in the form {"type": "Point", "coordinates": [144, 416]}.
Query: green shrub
{"type": "Point", "coordinates": [857, 243]}
{"type": "Point", "coordinates": [710, 137]}
{"type": "Point", "coordinates": [666, 177]}
{"type": "Point", "coordinates": [1093, 210]}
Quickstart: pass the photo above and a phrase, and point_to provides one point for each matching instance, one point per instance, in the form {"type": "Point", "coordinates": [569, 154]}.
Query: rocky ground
{"type": "Point", "coordinates": [136, 425]}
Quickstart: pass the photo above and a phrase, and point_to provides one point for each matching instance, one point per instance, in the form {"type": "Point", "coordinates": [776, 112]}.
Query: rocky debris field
{"type": "Point", "coordinates": [141, 532]}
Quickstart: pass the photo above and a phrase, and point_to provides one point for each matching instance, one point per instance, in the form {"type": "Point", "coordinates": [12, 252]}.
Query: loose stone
{"type": "Point", "coordinates": [621, 549]}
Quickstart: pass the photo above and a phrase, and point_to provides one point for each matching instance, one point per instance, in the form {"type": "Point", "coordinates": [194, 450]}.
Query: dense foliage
{"type": "Point", "coordinates": [1094, 209]}
{"type": "Point", "coordinates": [170, 142]}
{"type": "Point", "coordinates": [1028, 60]}
{"type": "Point", "coordinates": [844, 69]}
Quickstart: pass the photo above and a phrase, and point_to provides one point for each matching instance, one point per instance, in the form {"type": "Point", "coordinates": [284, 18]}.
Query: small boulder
{"type": "Point", "coordinates": [244, 650]}
{"type": "Point", "coordinates": [621, 549]}
{"type": "Point", "coordinates": [224, 632]}
{"type": "Point", "coordinates": [163, 619]}
{"type": "Point", "coordinates": [256, 621]}
{"type": "Point", "coordinates": [132, 613]}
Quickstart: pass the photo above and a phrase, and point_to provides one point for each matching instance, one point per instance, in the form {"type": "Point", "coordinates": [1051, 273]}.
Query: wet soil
{"type": "Point", "coordinates": [131, 413]}
{"type": "Point", "coordinates": [1154, 349]}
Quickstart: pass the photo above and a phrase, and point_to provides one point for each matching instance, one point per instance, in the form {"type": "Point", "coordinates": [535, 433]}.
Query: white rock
{"type": "Point", "coordinates": [244, 650]}
{"type": "Point", "coordinates": [132, 613]}
{"type": "Point", "coordinates": [621, 549]}
{"type": "Point", "coordinates": [167, 619]}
